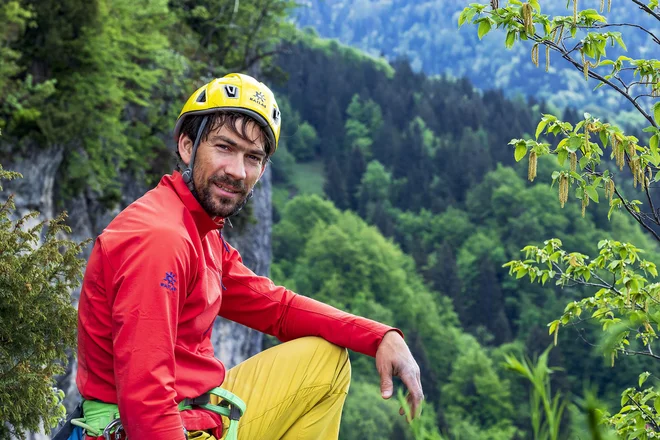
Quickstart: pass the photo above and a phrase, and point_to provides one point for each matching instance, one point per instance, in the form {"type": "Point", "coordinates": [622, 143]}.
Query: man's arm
{"type": "Point", "coordinates": [257, 303]}
{"type": "Point", "coordinates": [149, 288]}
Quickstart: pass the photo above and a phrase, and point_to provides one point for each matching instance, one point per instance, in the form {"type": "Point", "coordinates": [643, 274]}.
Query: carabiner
{"type": "Point", "coordinates": [111, 425]}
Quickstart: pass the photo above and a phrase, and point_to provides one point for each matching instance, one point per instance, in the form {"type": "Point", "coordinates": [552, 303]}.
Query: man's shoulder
{"type": "Point", "coordinates": [159, 215]}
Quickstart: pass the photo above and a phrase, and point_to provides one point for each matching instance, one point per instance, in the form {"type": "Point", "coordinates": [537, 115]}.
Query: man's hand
{"type": "Point", "coordinates": [393, 358]}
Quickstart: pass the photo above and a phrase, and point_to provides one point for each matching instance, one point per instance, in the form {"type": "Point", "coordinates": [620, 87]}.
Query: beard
{"type": "Point", "coordinates": [221, 206]}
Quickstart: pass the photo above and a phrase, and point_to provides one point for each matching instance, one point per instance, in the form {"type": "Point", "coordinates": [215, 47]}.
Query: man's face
{"type": "Point", "coordinates": [226, 167]}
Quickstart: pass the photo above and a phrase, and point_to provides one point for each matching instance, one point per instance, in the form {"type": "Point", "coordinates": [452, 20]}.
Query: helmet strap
{"type": "Point", "coordinates": [188, 173]}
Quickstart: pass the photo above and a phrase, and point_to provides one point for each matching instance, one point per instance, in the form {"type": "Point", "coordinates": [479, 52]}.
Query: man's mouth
{"type": "Point", "coordinates": [228, 190]}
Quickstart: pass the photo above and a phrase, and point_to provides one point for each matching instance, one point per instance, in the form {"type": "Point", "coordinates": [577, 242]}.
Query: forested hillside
{"type": "Point", "coordinates": [427, 161]}
{"type": "Point", "coordinates": [396, 195]}
{"type": "Point", "coordinates": [425, 32]}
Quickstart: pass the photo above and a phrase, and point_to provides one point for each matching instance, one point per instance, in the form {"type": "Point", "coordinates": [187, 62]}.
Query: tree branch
{"type": "Point", "coordinates": [566, 55]}
{"type": "Point", "coordinates": [635, 215]}
{"type": "Point", "coordinates": [655, 214]}
{"type": "Point", "coordinates": [649, 417]}
{"type": "Point", "coordinates": [646, 9]}
{"type": "Point", "coordinates": [655, 39]}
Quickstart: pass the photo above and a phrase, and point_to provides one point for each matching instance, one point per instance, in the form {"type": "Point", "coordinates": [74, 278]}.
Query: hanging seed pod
{"type": "Point", "coordinates": [609, 189]}
{"type": "Point", "coordinates": [563, 189]}
{"type": "Point", "coordinates": [535, 54]}
{"type": "Point", "coordinates": [634, 164]}
{"type": "Point", "coordinates": [531, 170]}
{"type": "Point", "coordinates": [586, 146]}
{"type": "Point", "coordinates": [602, 6]}
{"type": "Point", "coordinates": [575, 8]}
{"type": "Point", "coordinates": [528, 22]}
{"type": "Point", "coordinates": [609, 5]}
{"type": "Point", "coordinates": [655, 91]}
{"type": "Point", "coordinates": [585, 203]}
{"type": "Point", "coordinates": [494, 4]}
{"type": "Point", "coordinates": [561, 33]}
{"type": "Point", "coordinates": [573, 158]}
{"type": "Point", "coordinates": [547, 58]}
{"type": "Point", "coordinates": [617, 148]}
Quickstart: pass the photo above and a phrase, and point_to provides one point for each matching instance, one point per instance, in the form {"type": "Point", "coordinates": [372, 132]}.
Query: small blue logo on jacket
{"type": "Point", "coordinates": [169, 282]}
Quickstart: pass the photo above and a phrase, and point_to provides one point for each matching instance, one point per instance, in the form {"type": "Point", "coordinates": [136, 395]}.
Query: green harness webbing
{"type": "Point", "coordinates": [231, 407]}
{"type": "Point", "coordinates": [99, 416]}
{"type": "Point", "coordinates": [96, 416]}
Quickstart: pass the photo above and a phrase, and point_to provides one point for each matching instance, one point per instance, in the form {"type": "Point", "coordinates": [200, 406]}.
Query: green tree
{"type": "Point", "coordinates": [38, 320]}
{"type": "Point", "coordinates": [22, 95]}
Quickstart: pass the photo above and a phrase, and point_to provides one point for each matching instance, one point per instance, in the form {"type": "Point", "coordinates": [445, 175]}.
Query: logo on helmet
{"type": "Point", "coordinates": [259, 98]}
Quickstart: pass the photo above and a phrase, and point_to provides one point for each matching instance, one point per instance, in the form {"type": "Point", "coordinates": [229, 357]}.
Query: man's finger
{"type": "Point", "coordinates": [415, 394]}
{"type": "Point", "coordinates": [386, 386]}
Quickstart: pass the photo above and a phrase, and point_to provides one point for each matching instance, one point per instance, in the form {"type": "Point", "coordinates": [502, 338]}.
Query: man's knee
{"type": "Point", "coordinates": [333, 358]}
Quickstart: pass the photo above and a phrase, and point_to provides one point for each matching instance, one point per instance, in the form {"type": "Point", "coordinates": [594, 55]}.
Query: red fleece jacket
{"type": "Point", "coordinates": [157, 277]}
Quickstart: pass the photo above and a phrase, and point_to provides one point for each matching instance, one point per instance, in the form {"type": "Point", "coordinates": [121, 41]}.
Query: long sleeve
{"type": "Point", "coordinates": [256, 302]}
{"type": "Point", "coordinates": [150, 277]}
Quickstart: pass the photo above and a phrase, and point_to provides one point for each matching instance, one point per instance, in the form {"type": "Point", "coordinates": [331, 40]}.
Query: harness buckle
{"type": "Point", "coordinates": [115, 423]}
{"type": "Point", "coordinates": [234, 413]}
{"type": "Point", "coordinates": [204, 399]}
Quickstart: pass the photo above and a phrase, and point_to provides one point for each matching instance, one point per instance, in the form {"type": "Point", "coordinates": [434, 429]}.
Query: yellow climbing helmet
{"type": "Point", "coordinates": [239, 93]}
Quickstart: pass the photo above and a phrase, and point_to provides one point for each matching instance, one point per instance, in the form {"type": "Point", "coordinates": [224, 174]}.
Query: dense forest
{"type": "Point", "coordinates": [427, 162]}
{"type": "Point", "coordinates": [425, 33]}
{"type": "Point", "coordinates": [396, 194]}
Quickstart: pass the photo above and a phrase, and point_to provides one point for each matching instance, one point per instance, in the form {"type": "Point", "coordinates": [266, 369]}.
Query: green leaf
{"type": "Point", "coordinates": [561, 157]}
{"type": "Point", "coordinates": [642, 377]}
{"type": "Point", "coordinates": [521, 150]}
{"type": "Point", "coordinates": [653, 143]}
{"type": "Point", "coordinates": [618, 39]}
{"type": "Point", "coordinates": [510, 39]}
{"type": "Point", "coordinates": [584, 160]}
{"type": "Point", "coordinates": [604, 138]}
{"type": "Point", "coordinates": [484, 28]}
{"type": "Point", "coordinates": [616, 203]}
{"type": "Point", "coordinates": [593, 194]}
{"type": "Point", "coordinates": [540, 127]}
{"type": "Point", "coordinates": [656, 112]}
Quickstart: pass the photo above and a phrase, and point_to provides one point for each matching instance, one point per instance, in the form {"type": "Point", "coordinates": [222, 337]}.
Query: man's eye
{"type": "Point", "coordinates": [254, 158]}
{"type": "Point", "coordinates": [222, 147]}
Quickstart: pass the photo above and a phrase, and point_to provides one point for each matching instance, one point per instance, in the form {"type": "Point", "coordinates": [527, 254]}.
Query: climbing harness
{"type": "Point", "coordinates": [100, 419]}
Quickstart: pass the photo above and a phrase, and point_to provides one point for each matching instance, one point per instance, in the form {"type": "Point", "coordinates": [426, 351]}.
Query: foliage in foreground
{"type": "Point", "coordinates": [626, 302]}
{"type": "Point", "coordinates": [38, 270]}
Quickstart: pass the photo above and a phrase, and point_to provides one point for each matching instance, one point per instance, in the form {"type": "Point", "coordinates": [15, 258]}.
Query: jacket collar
{"type": "Point", "coordinates": [204, 222]}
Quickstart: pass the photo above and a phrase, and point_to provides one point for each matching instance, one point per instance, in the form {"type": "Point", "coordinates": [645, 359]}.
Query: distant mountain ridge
{"type": "Point", "coordinates": [426, 32]}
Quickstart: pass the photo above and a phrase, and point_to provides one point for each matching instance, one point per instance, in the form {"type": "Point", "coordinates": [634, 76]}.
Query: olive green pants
{"type": "Point", "coordinates": [293, 391]}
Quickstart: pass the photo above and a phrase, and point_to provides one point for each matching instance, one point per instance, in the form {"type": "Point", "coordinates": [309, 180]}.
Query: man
{"type": "Point", "coordinates": [161, 272]}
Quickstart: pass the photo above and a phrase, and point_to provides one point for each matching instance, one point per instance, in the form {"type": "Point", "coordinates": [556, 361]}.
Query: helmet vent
{"type": "Point", "coordinates": [276, 116]}
{"type": "Point", "coordinates": [231, 91]}
{"type": "Point", "coordinates": [202, 96]}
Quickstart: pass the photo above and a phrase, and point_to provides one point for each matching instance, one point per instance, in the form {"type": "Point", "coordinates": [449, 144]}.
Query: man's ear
{"type": "Point", "coordinates": [185, 146]}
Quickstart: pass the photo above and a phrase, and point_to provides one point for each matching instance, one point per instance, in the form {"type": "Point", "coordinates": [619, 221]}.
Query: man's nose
{"type": "Point", "coordinates": [236, 167]}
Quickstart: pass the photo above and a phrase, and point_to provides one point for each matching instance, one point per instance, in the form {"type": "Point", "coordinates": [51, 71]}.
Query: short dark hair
{"type": "Point", "coordinates": [191, 124]}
